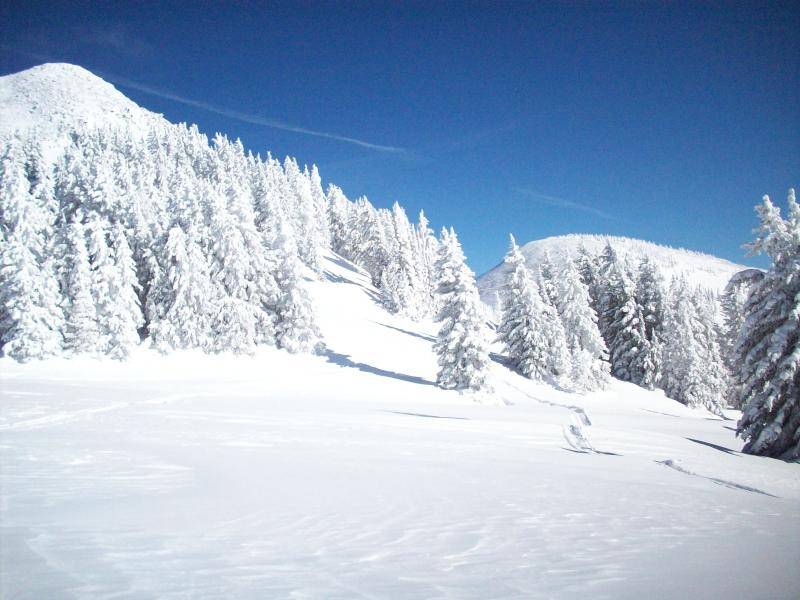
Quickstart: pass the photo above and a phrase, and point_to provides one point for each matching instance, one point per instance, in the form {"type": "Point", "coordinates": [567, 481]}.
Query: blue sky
{"type": "Point", "coordinates": [666, 122]}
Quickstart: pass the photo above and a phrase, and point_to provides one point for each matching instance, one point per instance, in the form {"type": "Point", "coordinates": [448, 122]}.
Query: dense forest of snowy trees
{"type": "Point", "coordinates": [598, 316]}
{"type": "Point", "coordinates": [739, 349]}
{"type": "Point", "coordinates": [127, 235]}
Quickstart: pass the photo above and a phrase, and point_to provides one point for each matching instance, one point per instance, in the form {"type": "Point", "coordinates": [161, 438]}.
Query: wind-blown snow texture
{"type": "Point", "coordinates": [351, 475]}
{"type": "Point", "coordinates": [699, 269]}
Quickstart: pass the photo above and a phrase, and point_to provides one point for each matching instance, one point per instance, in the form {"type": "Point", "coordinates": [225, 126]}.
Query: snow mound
{"type": "Point", "coordinates": [700, 269]}
{"type": "Point", "coordinates": [48, 100]}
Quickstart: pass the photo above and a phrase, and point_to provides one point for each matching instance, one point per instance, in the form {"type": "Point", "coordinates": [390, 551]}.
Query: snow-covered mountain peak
{"type": "Point", "coordinates": [698, 268]}
{"type": "Point", "coordinates": [55, 97]}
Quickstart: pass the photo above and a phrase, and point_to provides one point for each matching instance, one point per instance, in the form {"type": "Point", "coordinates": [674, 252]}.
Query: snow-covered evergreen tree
{"type": "Point", "coordinates": [427, 248]}
{"type": "Point", "coordinates": [400, 286]}
{"type": "Point", "coordinates": [31, 320]}
{"type": "Point", "coordinates": [460, 346]}
{"type": "Point", "coordinates": [338, 220]}
{"type": "Point", "coordinates": [588, 268]}
{"type": "Point", "coordinates": [183, 295]}
{"type": "Point", "coordinates": [622, 323]}
{"type": "Point", "coordinates": [103, 274]}
{"type": "Point", "coordinates": [530, 330]}
{"type": "Point", "coordinates": [649, 296]}
{"type": "Point", "coordinates": [368, 245]}
{"type": "Point", "coordinates": [590, 369]}
{"type": "Point", "coordinates": [82, 334]}
{"type": "Point", "coordinates": [733, 302]}
{"type": "Point", "coordinates": [547, 284]}
{"type": "Point", "coordinates": [303, 211]}
{"type": "Point", "coordinates": [296, 326]}
{"type": "Point", "coordinates": [125, 317]}
{"type": "Point", "coordinates": [768, 348]}
{"type": "Point", "coordinates": [688, 377]}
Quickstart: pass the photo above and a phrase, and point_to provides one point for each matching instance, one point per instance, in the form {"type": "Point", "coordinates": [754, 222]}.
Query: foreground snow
{"type": "Point", "coordinates": [351, 475]}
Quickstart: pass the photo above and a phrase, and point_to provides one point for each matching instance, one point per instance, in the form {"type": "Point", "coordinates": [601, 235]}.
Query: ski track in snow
{"type": "Point", "coordinates": [279, 476]}
{"type": "Point", "coordinates": [735, 486]}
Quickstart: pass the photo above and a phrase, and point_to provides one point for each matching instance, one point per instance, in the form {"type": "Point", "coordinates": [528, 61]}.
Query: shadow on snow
{"type": "Point", "coordinates": [714, 446]}
{"type": "Point", "coordinates": [343, 360]}
{"type": "Point", "coordinates": [411, 414]}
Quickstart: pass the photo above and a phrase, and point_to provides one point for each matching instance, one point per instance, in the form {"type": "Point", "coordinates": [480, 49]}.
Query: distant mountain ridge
{"type": "Point", "coordinates": [700, 269]}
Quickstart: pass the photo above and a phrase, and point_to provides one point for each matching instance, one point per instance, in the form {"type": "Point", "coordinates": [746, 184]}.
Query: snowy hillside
{"type": "Point", "coordinates": [289, 438]}
{"type": "Point", "coordinates": [46, 100]}
{"type": "Point", "coordinates": [699, 269]}
{"type": "Point", "coordinates": [351, 475]}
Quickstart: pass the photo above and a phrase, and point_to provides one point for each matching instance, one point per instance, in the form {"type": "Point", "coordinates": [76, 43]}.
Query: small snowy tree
{"type": "Point", "coordinates": [547, 284]}
{"type": "Point", "coordinates": [31, 320]}
{"type": "Point", "coordinates": [104, 274]}
{"type": "Point", "coordinates": [733, 302]}
{"type": "Point", "coordinates": [338, 216]}
{"type": "Point", "coordinates": [689, 375]}
{"type": "Point", "coordinates": [460, 345]}
{"type": "Point", "coordinates": [649, 296]}
{"type": "Point", "coordinates": [590, 367]}
{"type": "Point", "coordinates": [530, 330]}
{"type": "Point", "coordinates": [184, 296]}
{"type": "Point", "coordinates": [400, 286]}
{"type": "Point", "coordinates": [623, 323]}
{"type": "Point", "coordinates": [82, 334]}
{"type": "Point", "coordinates": [296, 326]}
{"type": "Point", "coordinates": [768, 348]}
{"type": "Point", "coordinates": [125, 316]}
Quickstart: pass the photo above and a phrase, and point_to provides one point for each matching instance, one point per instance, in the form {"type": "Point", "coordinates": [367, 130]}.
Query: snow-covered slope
{"type": "Point", "coordinates": [698, 268]}
{"type": "Point", "coordinates": [350, 475]}
{"type": "Point", "coordinates": [51, 99]}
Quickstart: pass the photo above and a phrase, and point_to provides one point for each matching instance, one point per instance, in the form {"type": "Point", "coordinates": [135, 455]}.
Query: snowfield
{"type": "Point", "coordinates": [350, 475]}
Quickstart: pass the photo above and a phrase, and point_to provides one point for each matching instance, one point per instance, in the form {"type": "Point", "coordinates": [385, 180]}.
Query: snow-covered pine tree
{"type": "Point", "coordinates": [588, 268]}
{"type": "Point", "coordinates": [31, 320]}
{"type": "Point", "coordinates": [732, 302]}
{"type": "Point", "coordinates": [320, 204]}
{"type": "Point", "coordinates": [590, 369]}
{"type": "Point", "coordinates": [82, 334]}
{"type": "Point", "coordinates": [426, 251]}
{"type": "Point", "coordinates": [368, 245]}
{"type": "Point", "coordinates": [126, 316]}
{"type": "Point", "coordinates": [649, 296]}
{"type": "Point", "coordinates": [296, 328]}
{"type": "Point", "coordinates": [400, 286]}
{"type": "Point", "coordinates": [104, 273]}
{"type": "Point", "coordinates": [183, 296]}
{"type": "Point", "coordinates": [709, 318]}
{"type": "Point", "coordinates": [622, 322]}
{"type": "Point", "coordinates": [238, 261]}
{"type": "Point", "coordinates": [768, 348]}
{"type": "Point", "coordinates": [530, 330]}
{"type": "Point", "coordinates": [547, 285]}
{"type": "Point", "coordinates": [338, 219]}
{"type": "Point", "coordinates": [460, 346]}
{"type": "Point", "coordinates": [687, 377]}
{"type": "Point", "coordinates": [302, 212]}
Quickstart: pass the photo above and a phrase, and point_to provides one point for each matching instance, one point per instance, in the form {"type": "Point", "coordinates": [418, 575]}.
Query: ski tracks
{"type": "Point", "coordinates": [574, 432]}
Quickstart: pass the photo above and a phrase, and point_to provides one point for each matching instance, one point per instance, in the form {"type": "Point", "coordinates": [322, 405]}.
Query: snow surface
{"type": "Point", "coordinates": [351, 475]}
{"type": "Point", "coordinates": [698, 268]}
{"type": "Point", "coordinates": [48, 101]}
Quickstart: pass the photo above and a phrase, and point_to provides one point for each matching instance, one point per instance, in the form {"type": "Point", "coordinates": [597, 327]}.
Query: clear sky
{"type": "Point", "coordinates": [662, 121]}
